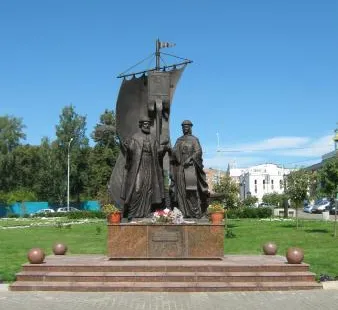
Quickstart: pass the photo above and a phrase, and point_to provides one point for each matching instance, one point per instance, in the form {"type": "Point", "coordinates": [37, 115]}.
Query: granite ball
{"type": "Point", "coordinates": [294, 255]}
{"type": "Point", "coordinates": [59, 249]}
{"type": "Point", "coordinates": [270, 248]}
{"type": "Point", "coordinates": [36, 256]}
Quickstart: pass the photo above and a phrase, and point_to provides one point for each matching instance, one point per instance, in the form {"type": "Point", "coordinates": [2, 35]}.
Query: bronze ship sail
{"type": "Point", "coordinates": [147, 93]}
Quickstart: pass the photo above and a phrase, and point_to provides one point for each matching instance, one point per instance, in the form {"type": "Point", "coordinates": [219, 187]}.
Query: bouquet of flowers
{"type": "Point", "coordinates": [168, 216]}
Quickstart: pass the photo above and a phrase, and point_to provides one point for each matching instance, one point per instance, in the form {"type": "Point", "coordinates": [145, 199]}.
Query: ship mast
{"type": "Point", "coordinates": [157, 55]}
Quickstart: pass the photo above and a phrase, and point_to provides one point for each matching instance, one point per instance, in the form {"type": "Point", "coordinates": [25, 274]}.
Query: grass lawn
{"type": "Point", "coordinates": [315, 237]}
{"type": "Point", "coordinates": [15, 243]}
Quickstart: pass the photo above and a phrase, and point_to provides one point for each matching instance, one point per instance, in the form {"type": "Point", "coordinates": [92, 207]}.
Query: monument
{"type": "Point", "coordinates": [137, 183]}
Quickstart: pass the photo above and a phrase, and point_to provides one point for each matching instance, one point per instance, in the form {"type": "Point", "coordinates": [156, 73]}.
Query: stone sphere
{"type": "Point", "coordinates": [294, 255]}
{"type": "Point", "coordinates": [35, 256]}
{"type": "Point", "coordinates": [59, 249]}
{"type": "Point", "coordinates": [270, 248]}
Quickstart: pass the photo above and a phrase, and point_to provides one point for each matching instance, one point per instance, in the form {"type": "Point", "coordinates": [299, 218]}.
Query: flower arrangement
{"type": "Point", "coordinates": [167, 216]}
{"type": "Point", "coordinates": [110, 209]}
{"type": "Point", "coordinates": [216, 207]}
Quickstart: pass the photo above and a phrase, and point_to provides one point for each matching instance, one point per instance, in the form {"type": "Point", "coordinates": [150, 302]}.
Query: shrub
{"type": "Point", "coordinates": [13, 215]}
{"type": "Point", "coordinates": [85, 215]}
{"type": "Point", "coordinates": [250, 213]}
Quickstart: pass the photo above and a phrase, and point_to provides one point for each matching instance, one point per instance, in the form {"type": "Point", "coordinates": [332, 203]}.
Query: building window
{"type": "Point", "coordinates": [255, 189]}
{"type": "Point", "coordinates": [272, 184]}
{"type": "Point", "coordinates": [263, 184]}
{"type": "Point", "coordinates": [255, 182]}
{"type": "Point", "coordinates": [280, 184]}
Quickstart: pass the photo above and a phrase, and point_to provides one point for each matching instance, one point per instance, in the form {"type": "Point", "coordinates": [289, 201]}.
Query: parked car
{"type": "Point", "coordinates": [332, 207]}
{"type": "Point", "coordinates": [308, 208]}
{"type": "Point", "coordinates": [65, 209]}
{"type": "Point", "coordinates": [266, 205]}
{"type": "Point", "coordinates": [42, 212]}
{"type": "Point", "coordinates": [320, 206]}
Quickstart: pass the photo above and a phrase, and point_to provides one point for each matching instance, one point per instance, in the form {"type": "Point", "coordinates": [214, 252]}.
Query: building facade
{"type": "Point", "coordinates": [261, 180]}
{"type": "Point", "coordinates": [213, 177]}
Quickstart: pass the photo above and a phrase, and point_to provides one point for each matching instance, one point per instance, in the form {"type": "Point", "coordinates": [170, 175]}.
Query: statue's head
{"type": "Point", "coordinates": [187, 127]}
{"type": "Point", "coordinates": [144, 124]}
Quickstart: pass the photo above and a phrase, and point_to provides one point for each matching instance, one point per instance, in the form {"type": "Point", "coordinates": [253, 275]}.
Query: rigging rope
{"type": "Point", "coordinates": [174, 56]}
{"type": "Point", "coordinates": [152, 54]}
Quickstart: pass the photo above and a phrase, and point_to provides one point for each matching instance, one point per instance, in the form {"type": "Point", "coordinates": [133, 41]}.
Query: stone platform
{"type": "Point", "coordinates": [99, 273]}
{"type": "Point", "coordinates": [165, 241]}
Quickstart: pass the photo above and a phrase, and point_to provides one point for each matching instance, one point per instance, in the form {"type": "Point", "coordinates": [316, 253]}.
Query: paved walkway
{"type": "Point", "coordinates": [313, 299]}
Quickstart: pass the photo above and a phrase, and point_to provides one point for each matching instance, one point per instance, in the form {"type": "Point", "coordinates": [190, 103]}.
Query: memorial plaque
{"type": "Point", "coordinates": [165, 241]}
{"type": "Point", "coordinates": [166, 237]}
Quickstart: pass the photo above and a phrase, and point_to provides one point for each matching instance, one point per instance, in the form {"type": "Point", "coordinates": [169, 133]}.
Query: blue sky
{"type": "Point", "coordinates": [263, 82]}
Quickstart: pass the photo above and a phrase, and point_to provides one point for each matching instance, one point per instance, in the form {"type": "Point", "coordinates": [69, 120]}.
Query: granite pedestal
{"type": "Point", "coordinates": [166, 241]}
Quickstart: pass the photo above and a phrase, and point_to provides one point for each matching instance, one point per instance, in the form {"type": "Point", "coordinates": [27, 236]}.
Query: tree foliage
{"type": "Point", "coordinates": [103, 156]}
{"type": "Point", "coordinates": [71, 138]}
{"type": "Point", "coordinates": [11, 132]}
{"type": "Point", "coordinates": [297, 186]}
{"type": "Point", "coordinates": [230, 189]}
{"type": "Point", "coordinates": [20, 195]}
{"type": "Point", "coordinates": [104, 133]}
{"type": "Point", "coordinates": [273, 199]}
{"type": "Point", "coordinates": [328, 177]}
{"type": "Point", "coordinates": [249, 201]}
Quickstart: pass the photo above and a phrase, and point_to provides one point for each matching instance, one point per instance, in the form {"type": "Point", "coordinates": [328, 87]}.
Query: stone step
{"type": "Point", "coordinates": [179, 267]}
{"type": "Point", "coordinates": [49, 276]}
{"type": "Point", "coordinates": [162, 286]}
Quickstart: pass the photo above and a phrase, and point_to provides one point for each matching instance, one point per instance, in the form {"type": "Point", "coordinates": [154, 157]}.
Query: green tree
{"type": "Point", "coordinates": [230, 189]}
{"type": "Point", "coordinates": [11, 132]}
{"type": "Point", "coordinates": [104, 133]}
{"type": "Point", "coordinates": [71, 136]}
{"type": "Point", "coordinates": [249, 200]}
{"type": "Point", "coordinates": [328, 177]}
{"type": "Point", "coordinates": [297, 186]}
{"type": "Point", "coordinates": [47, 182]}
{"type": "Point", "coordinates": [273, 199]}
{"type": "Point", "coordinates": [103, 156]}
{"type": "Point", "coordinates": [19, 195]}
{"type": "Point", "coordinates": [25, 167]}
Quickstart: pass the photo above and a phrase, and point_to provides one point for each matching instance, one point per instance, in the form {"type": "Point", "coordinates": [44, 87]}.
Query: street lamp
{"type": "Point", "coordinates": [218, 150]}
{"type": "Point", "coordinates": [68, 157]}
{"type": "Point", "coordinates": [285, 200]}
{"type": "Point", "coordinates": [244, 189]}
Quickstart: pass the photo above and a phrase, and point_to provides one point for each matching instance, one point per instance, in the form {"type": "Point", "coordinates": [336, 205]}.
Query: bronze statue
{"type": "Point", "coordinates": [143, 185]}
{"type": "Point", "coordinates": [141, 93]}
{"type": "Point", "coordinates": [189, 180]}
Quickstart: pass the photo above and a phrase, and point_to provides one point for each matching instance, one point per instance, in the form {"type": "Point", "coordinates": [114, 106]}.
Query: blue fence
{"type": "Point", "coordinates": [29, 207]}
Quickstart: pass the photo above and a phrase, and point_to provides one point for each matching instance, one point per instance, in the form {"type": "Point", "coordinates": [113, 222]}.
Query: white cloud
{"type": "Point", "coordinates": [279, 150]}
{"type": "Point", "coordinates": [221, 162]}
{"type": "Point", "coordinates": [274, 143]}
{"type": "Point", "coordinates": [286, 146]}
{"type": "Point", "coordinates": [314, 148]}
